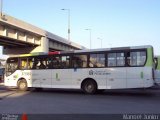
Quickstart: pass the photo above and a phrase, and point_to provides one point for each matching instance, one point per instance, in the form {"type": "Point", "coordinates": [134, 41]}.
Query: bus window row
{"type": "Point", "coordinates": [92, 60]}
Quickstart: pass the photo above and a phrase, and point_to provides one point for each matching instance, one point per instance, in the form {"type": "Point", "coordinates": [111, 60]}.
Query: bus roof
{"type": "Point", "coordinates": [83, 51]}
{"type": "Point", "coordinates": [115, 48]}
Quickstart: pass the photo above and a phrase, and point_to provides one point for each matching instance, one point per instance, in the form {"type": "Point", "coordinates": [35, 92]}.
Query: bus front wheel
{"type": "Point", "coordinates": [22, 85]}
{"type": "Point", "coordinates": [89, 86]}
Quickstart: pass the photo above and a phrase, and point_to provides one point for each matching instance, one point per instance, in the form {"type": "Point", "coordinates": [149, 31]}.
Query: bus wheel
{"type": "Point", "coordinates": [89, 87]}
{"type": "Point", "coordinates": [38, 89]}
{"type": "Point", "coordinates": [22, 85]}
{"type": "Point", "coordinates": [101, 91]}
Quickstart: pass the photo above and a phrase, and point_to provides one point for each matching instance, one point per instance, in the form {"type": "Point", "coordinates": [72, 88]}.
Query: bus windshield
{"type": "Point", "coordinates": [11, 66]}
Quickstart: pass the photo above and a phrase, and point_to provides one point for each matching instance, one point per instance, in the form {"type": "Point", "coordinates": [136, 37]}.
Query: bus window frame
{"type": "Point", "coordinates": [19, 63]}
{"type": "Point", "coordinates": [75, 54]}
{"type": "Point", "coordinates": [89, 55]}
{"type": "Point", "coordinates": [137, 50]}
{"type": "Point", "coordinates": [115, 51]}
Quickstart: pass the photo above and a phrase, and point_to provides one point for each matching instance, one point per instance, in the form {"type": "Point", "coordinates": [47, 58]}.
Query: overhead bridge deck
{"type": "Point", "coordinates": [19, 37]}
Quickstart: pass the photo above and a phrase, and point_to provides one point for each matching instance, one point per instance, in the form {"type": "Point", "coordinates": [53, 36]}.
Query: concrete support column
{"type": "Point", "coordinates": [25, 37]}
{"type": "Point", "coordinates": [16, 34]}
{"type": "Point", "coordinates": [5, 31]}
{"type": "Point", "coordinates": [44, 47]}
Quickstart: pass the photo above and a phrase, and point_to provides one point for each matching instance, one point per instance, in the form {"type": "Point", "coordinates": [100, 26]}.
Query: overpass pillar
{"type": "Point", "coordinates": [44, 46]}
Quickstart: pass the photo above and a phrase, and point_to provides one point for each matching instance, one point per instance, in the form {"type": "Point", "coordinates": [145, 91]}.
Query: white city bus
{"type": "Point", "coordinates": [89, 70]}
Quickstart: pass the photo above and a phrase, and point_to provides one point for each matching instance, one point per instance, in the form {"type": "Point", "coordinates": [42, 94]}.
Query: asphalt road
{"type": "Point", "coordinates": [54, 101]}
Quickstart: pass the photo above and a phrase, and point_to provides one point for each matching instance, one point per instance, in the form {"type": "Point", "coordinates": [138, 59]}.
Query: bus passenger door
{"type": "Point", "coordinates": [61, 78]}
{"type": "Point", "coordinates": [79, 71]}
{"type": "Point", "coordinates": [41, 77]}
{"type": "Point", "coordinates": [61, 74]}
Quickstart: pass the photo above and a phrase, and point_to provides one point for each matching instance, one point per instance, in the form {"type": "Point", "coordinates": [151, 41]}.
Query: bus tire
{"type": "Point", "coordinates": [38, 89]}
{"type": "Point", "coordinates": [89, 86]}
{"type": "Point", "coordinates": [101, 91]}
{"type": "Point", "coordinates": [22, 85]}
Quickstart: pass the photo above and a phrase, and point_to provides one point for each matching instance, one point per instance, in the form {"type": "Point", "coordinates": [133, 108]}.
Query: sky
{"type": "Point", "coordinates": [117, 23]}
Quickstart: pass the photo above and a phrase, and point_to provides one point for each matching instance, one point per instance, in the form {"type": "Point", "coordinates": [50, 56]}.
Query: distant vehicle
{"type": "Point", "coordinates": [2, 69]}
{"type": "Point", "coordinates": [2, 74]}
{"type": "Point", "coordinates": [90, 70]}
{"type": "Point", "coordinates": [157, 69]}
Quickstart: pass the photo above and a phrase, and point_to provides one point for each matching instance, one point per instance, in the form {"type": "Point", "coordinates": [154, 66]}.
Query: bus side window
{"type": "Point", "coordinates": [65, 61]}
{"type": "Point", "coordinates": [74, 64]}
{"type": "Point", "coordinates": [35, 64]}
{"type": "Point", "coordinates": [97, 60]}
{"type": "Point", "coordinates": [39, 63]}
{"type": "Point", "coordinates": [79, 61]}
{"type": "Point", "coordinates": [56, 62]}
{"type": "Point", "coordinates": [111, 59]}
{"type": "Point", "coordinates": [136, 58]}
{"type": "Point", "coordinates": [42, 66]}
{"type": "Point", "coordinates": [23, 63]}
{"type": "Point", "coordinates": [30, 63]}
{"type": "Point", "coordinates": [49, 63]}
{"type": "Point", "coordinates": [116, 59]}
{"type": "Point", "coordinates": [92, 61]}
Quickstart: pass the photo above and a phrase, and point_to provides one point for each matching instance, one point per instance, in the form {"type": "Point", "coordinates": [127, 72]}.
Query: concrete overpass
{"type": "Point", "coordinates": [19, 37]}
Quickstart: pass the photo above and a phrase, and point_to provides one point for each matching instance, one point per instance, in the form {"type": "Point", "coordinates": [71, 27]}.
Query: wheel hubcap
{"type": "Point", "coordinates": [89, 88]}
{"type": "Point", "coordinates": [22, 85]}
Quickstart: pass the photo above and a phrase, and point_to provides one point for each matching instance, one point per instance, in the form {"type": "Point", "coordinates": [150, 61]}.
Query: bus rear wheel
{"type": "Point", "coordinates": [22, 85]}
{"type": "Point", "coordinates": [89, 87]}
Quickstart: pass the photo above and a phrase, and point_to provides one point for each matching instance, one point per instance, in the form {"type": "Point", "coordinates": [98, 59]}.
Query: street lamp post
{"type": "Point", "coordinates": [68, 23]}
{"type": "Point", "coordinates": [101, 41]}
{"type": "Point", "coordinates": [90, 32]}
{"type": "Point", "coordinates": [1, 8]}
